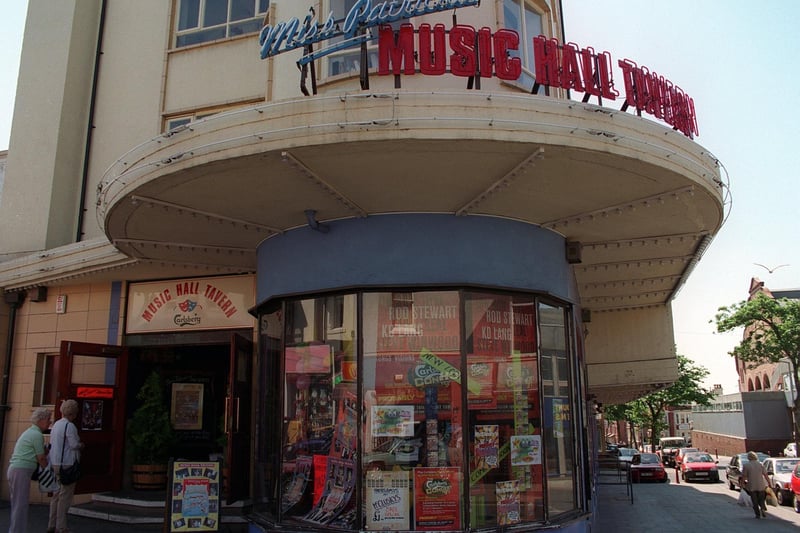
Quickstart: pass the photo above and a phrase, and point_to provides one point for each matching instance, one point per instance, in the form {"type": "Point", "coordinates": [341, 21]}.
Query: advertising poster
{"type": "Point", "coordinates": [526, 450]}
{"type": "Point", "coordinates": [437, 499]}
{"type": "Point", "coordinates": [187, 406]}
{"type": "Point", "coordinates": [337, 492]}
{"type": "Point", "coordinates": [387, 501]}
{"type": "Point", "coordinates": [409, 322]}
{"type": "Point", "coordinates": [507, 493]}
{"type": "Point", "coordinates": [501, 326]}
{"type": "Point", "coordinates": [487, 446]}
{"type": "Point", "coordinates": [92, 415]}
{"type": "Point", "coordinates": [298, 484]}
{"type": "Point", "coordinates": [345, 437]}
{"type": "Point", "coordinates": [309, 359]}
{"type": "Point", "coordinates": [193, 503]}
{"type": "Point", "coordinates": [392, 420]}
{"type": "Point", "coordinates": [481, 377]}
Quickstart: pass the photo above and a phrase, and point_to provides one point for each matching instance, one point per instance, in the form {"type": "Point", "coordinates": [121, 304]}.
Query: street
{"type": "Point", "coordinates": [685, 507]}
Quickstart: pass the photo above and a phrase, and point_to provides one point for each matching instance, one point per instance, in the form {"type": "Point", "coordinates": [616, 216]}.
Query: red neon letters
{"type": "Point", "coordinates": [570, 68]}
{"type": "Point", "coordinates": [473, 52]}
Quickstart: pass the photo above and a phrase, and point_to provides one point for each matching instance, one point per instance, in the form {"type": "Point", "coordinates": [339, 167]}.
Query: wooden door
{"type": "Point", "coordinates": [94, 376]}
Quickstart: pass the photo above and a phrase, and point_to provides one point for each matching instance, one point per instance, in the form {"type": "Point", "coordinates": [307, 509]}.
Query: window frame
{"type": "Point", "coordinates": [260, 12]}
{"type": "Point", "coordinates": [45, 379]}
{"type": "Point", "coordinates": [542, 10]}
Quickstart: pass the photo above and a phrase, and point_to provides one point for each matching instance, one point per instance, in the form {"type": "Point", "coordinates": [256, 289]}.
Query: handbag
{"type": "Point", "coordinates": [69, 474]}
{"type": "Point", "coordinates": [47, 479]}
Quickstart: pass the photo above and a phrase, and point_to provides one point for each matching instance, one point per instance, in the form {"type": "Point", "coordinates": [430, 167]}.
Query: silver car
{"type": "Point", "coordinates": [779, 471]}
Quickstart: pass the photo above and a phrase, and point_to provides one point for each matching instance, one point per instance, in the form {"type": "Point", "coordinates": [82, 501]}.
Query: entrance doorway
{"type": "Point", "coordinates": [207, 382]}
{"type": "Point", "coordinates": [196, 375]}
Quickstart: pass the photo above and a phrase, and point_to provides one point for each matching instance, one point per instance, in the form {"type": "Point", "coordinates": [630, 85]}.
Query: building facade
{"type": "Point", "coordinates": [737, 423]}
{"type": "Point", "coordinates": [388, 257]}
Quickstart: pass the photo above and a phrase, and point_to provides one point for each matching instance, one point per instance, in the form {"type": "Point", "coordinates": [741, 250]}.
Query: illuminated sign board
{"type": "Point", "coordinates": [479, 54]}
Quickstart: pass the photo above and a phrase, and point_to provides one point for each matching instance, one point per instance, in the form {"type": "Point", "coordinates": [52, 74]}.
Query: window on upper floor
{"type": "Point", "coordinates": [523, 17]}
{"type": "Point", "coordinates": [201, 21]}
{"type": "Point", "coordinates": [348, 61]}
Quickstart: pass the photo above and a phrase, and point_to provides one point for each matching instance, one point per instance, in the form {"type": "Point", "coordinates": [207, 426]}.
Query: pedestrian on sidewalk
{"type": "Point", "coordinates": [755, 481]}
{"type": "Point", "coordinates": [65, 449]}
{"type": "Point", "coordinates": [29, 452]}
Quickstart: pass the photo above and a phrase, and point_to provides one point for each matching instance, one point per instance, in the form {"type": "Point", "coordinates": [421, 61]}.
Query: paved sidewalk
{"type": "Point", "coordinates": [685, 508]}
{"type": "Point", "coordinates": [38, 514]}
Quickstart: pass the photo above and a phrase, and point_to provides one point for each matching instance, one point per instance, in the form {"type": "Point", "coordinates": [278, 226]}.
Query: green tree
{"type": "Point", "coordinates": [649, 410]}
{"type": "Point", "coordinates": [771, 334]}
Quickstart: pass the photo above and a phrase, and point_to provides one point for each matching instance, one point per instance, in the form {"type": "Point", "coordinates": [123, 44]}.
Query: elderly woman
{"type": "Point", "coordinates": [28, 453]}
{"type": "Point", "coordinates": [64, 451]}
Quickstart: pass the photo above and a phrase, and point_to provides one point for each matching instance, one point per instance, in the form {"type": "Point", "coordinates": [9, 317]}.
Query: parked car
{"type": "Point", "coordinates": [699, 466]}
{"type": "Point", "coordinates": [796, 487]}
{"type": "Point", "coordinates": [681, 454]}
{"type": "Point", "coordinates": [779, 471]}
{"type": "Point", "coordinates": [790, 450]}
{"type": "Point", "coordinates": [733, 470]}
{"type": "Point", "coordinates": [647, 467]}
{"type": "Point", "coordinates": [626, 456]}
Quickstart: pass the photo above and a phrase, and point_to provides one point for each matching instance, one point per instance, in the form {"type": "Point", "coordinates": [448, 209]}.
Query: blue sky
{"type": "Point", "coordinates": [738, 61]}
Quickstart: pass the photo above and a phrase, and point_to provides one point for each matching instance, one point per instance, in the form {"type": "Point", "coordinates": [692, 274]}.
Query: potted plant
{"type": "Point", "coordinates": [150, 436]}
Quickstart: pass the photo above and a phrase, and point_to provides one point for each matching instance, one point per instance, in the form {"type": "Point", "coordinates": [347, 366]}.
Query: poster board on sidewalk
{"type": "Point", "coordinates": [193, 496]}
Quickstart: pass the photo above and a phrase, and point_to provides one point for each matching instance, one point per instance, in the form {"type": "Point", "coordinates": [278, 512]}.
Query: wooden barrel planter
{"type": "Point", "coordinates": [149, 477]}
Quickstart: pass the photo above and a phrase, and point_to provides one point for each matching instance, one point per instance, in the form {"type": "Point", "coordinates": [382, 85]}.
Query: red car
{"type": "Point", "coordinates": [647, 467]}
{"type": "Point", "coordinates": [699, 466]}
{"type": "Point", "coordinates": [796, 487]}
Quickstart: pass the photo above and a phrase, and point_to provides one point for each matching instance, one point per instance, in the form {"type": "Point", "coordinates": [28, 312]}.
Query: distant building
{"type": "Point", "coordinates": [735, 423]}
{"type": "Point", "coordinates": [767, 376]}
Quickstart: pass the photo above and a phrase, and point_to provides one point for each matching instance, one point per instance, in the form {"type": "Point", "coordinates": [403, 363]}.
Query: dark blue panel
{"type": "Point", "coordinates": [414, 250]}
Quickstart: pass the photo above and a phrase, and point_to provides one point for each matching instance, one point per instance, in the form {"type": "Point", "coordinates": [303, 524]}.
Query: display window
{"type": "Point", "coordinates": [419, 411]}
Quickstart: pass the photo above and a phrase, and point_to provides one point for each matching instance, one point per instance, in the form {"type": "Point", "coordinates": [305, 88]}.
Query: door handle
{"type": "Point", "coordinates": [226, 411]}
{"type": "Point", "coordinates": [236, 418]}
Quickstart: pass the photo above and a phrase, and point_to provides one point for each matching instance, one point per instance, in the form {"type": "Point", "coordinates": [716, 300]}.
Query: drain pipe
{"type": "Point", "coordinates": [14, 301]}
{"type": "Point", "coordinates": [90, 126]}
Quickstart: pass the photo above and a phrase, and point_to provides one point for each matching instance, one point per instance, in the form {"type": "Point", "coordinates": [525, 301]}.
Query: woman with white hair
{"type": "Point", "coordinates": [28, 453]}
{"type": "Point", "coordinates": [65, 448]}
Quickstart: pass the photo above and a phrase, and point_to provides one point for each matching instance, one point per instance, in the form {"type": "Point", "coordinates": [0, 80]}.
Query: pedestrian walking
{"type": "Point", "coordinates": [755, 481]}
{"type": "Point", "coordinates": [29, 452]}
